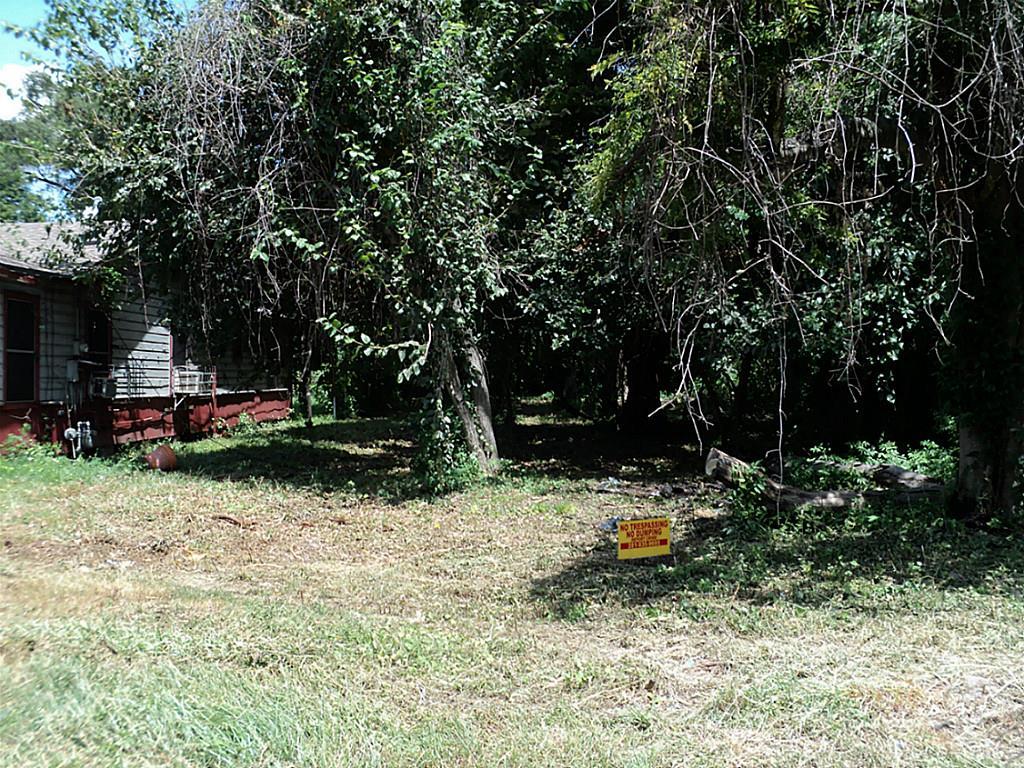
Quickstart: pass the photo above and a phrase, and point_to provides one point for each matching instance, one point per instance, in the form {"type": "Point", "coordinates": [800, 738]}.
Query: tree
{"type": "Point", "coordinates": [757, 151]}
{"type": "Point", "coordinates": [790, 190]}
{"type": "Point", "coordinates": [18, 202]}
{"type": "Point", "coordinates": [326, 160]}
{"type": "Point", "coordinates": [24, 147]}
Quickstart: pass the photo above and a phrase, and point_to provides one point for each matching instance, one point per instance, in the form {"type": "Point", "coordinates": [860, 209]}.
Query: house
{"type": "Point", "coordinates": [117, 376]}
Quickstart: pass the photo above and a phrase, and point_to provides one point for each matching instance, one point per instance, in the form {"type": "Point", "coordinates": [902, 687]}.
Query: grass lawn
{"type": "Point", "coordinates": [286, 599]}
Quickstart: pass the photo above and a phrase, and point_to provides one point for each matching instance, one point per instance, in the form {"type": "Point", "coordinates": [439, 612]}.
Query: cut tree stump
{"type": "Point", "coordinates": [900, 485]}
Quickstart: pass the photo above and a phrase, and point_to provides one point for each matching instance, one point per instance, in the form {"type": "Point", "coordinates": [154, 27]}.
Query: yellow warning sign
{"type": "Point", "coordinates": [644, 538]}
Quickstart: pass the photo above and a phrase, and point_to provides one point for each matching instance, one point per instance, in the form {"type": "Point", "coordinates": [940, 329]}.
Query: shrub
{"type": "Point", "coordinates": [442, 463]}
{"type": "Point", "coordinates": [24, 446]}
{"type": "Point", "coordinates": [246, 425]}
{"type": "Point", "coordinates": [826, 470]}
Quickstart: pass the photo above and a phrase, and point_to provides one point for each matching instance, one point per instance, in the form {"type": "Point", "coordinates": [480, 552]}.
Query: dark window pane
{"type": "Point", "coordinates": [20, 376]}
{"type": "Point", "coordinates": [21, 325]}
{"type": "Point", "coordinates": [97, 332]}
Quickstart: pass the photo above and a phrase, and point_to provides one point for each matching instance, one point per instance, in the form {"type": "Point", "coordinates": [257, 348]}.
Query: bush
{"type": "Point", "coordinates": [24, 446]}
{"type": "Point", "coordinates": [246, 426]}
{"type": "Point", "coordinates": [928, 458]}
{"type": "Point", "coordinates": [826, 470]}
{"type": "Point", "coordinates": [442, 463]}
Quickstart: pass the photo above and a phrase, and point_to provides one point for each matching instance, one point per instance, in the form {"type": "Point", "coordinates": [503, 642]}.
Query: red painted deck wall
{"type": "Point", "coordinates": [117, 422]}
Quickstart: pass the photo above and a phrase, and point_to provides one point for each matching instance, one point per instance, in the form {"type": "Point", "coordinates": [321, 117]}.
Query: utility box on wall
{"type": "Point", "coordinates": [103, 388]}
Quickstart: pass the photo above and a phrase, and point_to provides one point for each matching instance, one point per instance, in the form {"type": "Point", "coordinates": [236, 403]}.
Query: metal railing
{"type": "Point", "coordinates": [193, 380]}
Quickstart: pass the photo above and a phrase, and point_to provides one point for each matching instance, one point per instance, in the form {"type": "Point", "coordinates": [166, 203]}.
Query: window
{"type": "Point", "coordinates": [97, 335]}
{"type": "Point", "coordinates": [21, 334]}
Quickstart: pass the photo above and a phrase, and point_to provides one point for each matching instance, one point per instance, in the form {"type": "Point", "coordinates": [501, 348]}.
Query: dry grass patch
{"type": "Point", "coordinates": [258, 609]}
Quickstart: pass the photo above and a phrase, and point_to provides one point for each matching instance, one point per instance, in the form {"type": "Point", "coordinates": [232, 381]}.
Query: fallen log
{"type": "Point", "coordinates": [902, 485]}
{"type": "Point", "coordinates": [887, 475]}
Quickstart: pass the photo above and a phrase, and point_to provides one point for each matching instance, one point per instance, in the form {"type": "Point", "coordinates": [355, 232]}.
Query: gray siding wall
{"type": "Point", "coordinates": [141, 348]}
{"type": "Point", "coordinates": [58, 334]}
{"type": "Point", "coordinates": [141, 351]}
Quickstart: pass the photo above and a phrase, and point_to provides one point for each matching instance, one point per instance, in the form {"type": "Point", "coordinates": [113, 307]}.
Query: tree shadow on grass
{"type": "Point", "coordinates": [373, 456]}
{"type": "Point", "coordinates": [716, 562]}
{"type": "Point", "coordinates": [365, 456]}
{"type": "Point", "coordinates": [552, 444]}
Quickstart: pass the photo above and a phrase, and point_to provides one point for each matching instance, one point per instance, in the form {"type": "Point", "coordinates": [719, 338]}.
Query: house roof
{"type": "Point", "coordinates": [47, 248]}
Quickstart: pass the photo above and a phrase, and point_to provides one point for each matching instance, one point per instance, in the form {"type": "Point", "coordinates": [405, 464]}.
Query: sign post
{"type": "Point", "coordinates": [644, 538]}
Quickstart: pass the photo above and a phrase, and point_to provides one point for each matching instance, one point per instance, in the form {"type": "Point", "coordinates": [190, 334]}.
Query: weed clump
{"type": "Point", "coordinates": [824, 469]}
{"type": "Point", "coordinates": [442, 463]}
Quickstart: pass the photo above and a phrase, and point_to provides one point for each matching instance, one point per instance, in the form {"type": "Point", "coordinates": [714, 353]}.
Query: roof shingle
{"type": "Point", "coordinates": [45, 247]}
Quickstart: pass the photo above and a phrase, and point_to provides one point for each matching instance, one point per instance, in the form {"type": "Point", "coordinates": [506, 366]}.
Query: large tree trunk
{"type": "Point", "coordinates": [482, 415]}
{"type": "Point", "coordinates": [991, 449]}
{"type": "Point", "coordinates": [987, 472]}
{"type": "Point", "coordinates": [988, 376]}
{"type": "Point", "coordinates": [474, 412]}
{"type": "Point", "coordinates": [641, 360]}
{"type": "Point", "coordinates": [989, 469]}
{"type": "Point", "coordinates": [306, 397]}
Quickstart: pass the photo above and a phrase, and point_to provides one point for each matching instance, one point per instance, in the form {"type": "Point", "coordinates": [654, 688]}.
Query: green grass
{"type": "Point", "coordinates": [288, 599]}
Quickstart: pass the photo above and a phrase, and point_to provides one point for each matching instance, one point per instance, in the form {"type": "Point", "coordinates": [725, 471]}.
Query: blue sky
{"type": "Point", "coordinates": [12, 64]}
{"type": "Point", "coordinates": [25, 13]}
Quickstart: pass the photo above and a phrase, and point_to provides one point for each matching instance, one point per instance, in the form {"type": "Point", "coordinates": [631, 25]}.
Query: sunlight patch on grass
{"type": "Point", "coordinates": [284, 601]}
